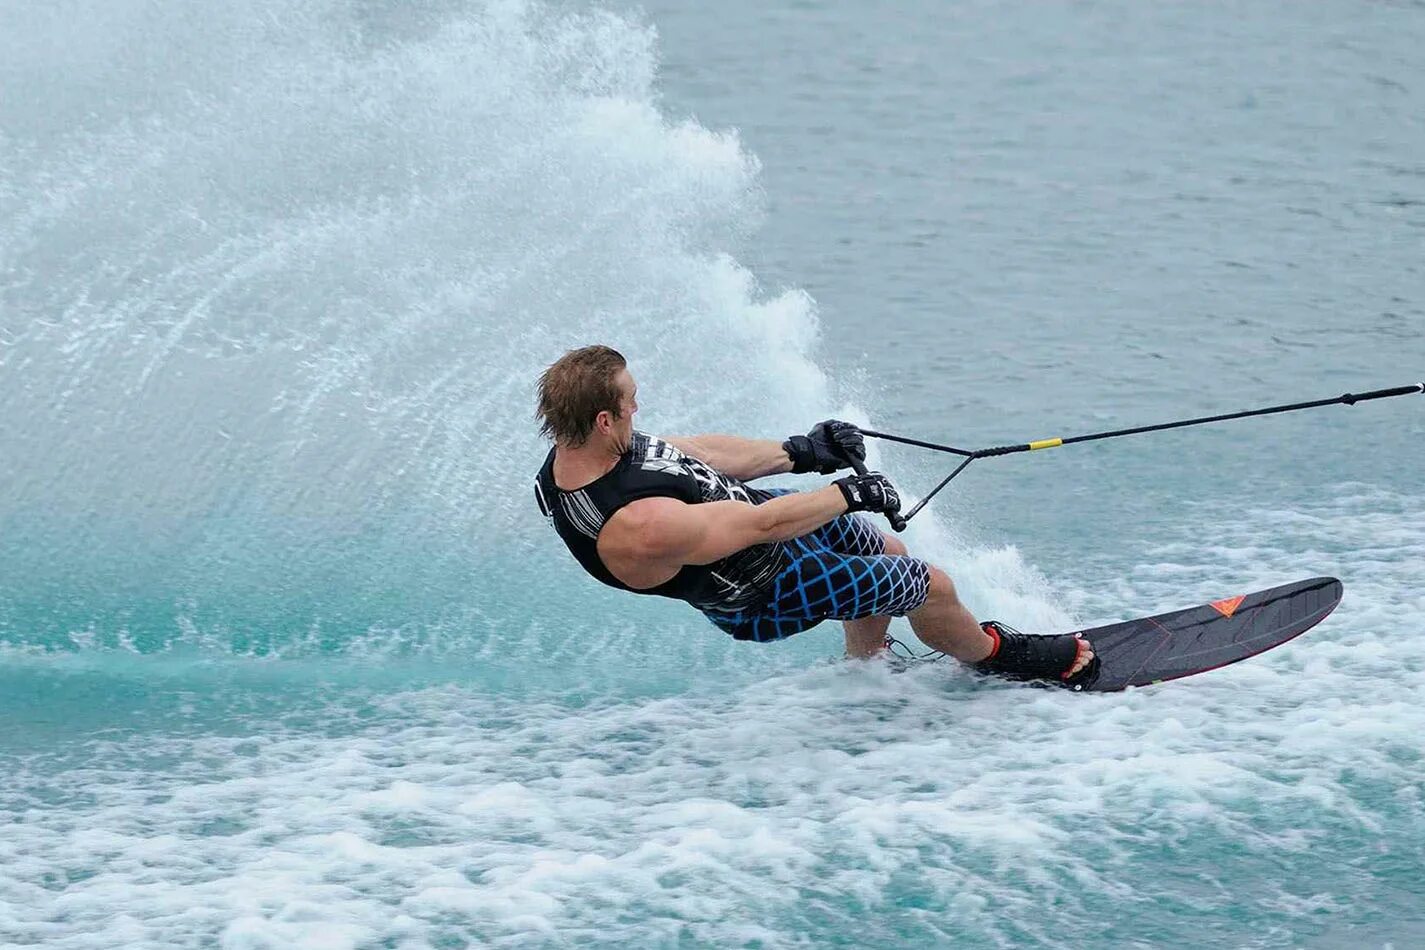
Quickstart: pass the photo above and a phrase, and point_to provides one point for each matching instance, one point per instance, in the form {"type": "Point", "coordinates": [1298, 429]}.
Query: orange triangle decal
{"type": "Point", "coordinates": [1229, 606]}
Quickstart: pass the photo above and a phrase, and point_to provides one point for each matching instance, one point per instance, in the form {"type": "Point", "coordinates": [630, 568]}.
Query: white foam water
{"type": "Point", "coordinates": [290, 659]}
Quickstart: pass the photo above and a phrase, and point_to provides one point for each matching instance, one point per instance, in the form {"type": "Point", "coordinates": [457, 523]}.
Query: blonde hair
{"type": "Point", "coordinates": [575, 389]}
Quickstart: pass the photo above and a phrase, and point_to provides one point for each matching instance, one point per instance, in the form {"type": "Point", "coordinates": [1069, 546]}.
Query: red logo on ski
{"type": "Point", "coordinates": [1229, 606]}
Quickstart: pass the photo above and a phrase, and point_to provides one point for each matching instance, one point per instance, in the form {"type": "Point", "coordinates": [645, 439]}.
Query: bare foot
{"type": "Point", "coordinates": [1084, 657]}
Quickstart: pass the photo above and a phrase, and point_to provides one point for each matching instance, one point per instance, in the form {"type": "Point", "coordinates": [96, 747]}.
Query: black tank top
{"type": "Point", "coordinates": [654, 468]}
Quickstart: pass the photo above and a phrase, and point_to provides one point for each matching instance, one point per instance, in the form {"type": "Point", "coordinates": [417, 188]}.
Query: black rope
{"type": "Point", "coordinates": [934, 491]}
{"type": "Point", "coordinates": [898, 522]}
{"type": "Point", "coordinates": [1348, 399]}
{"type": "Point", "coordinates": [917, 442]}
{"type": "Point", "coordinates": [892, 643]}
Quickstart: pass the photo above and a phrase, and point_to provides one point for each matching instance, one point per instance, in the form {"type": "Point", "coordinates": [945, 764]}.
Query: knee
{"type": "Point", "coordinates": [894, 545]}
{"type": "Point", "coordinates": [942, 588]}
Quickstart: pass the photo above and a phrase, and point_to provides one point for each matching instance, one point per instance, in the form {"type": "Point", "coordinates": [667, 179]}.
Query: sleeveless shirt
{"type": "Point", "coordinates": [654, 468]}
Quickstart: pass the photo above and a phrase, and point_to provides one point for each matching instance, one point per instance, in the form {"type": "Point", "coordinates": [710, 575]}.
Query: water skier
{"type": "Point", "coordinates": [675, 517]}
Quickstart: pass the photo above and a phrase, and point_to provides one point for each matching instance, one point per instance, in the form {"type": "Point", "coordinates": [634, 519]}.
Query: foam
{"type": "Point", "coordinates": [347, 252]}
{"type": "Point", "coordinates": [273, 689]}
{"type": "Point", "coordinates": [840, 795]}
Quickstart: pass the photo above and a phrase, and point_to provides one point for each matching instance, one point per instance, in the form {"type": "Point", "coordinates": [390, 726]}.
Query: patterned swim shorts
{"type": "Point", "coordinates": [840, 571]}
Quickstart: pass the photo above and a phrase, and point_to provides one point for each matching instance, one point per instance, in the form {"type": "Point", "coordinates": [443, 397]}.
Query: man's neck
{"type": "Point", "coordinates": [575, 467]}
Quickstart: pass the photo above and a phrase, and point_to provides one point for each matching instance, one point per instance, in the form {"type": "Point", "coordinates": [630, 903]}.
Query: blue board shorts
{"type": "Point", "coordinates": [840, 571]}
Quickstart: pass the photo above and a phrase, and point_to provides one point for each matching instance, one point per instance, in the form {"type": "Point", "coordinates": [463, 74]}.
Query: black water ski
{"type": "Point", "coordinates": [1197, 639]}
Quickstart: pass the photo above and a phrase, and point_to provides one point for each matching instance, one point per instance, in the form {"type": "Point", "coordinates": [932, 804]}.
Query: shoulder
{"type": "Point", "coordinates": [650, 514]}
{"type": "Point", "coordinates": [651, 448]}
{"type": "Point", "coordinates": [656, 467]}
{"type": "Point", "coordinates": [651, 525]}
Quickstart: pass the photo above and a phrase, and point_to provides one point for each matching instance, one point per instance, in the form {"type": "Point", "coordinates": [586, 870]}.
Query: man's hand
{"type": "Point", "coordinates": [870, 492]}
{"type": "Point", "coordinates": [827, 448]}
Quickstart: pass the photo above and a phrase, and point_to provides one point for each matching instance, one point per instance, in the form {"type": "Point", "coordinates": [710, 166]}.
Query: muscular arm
{"type": "Point", "coordinates": [743, 459]}
{"type": "Point", "coordinates": [648, 541]}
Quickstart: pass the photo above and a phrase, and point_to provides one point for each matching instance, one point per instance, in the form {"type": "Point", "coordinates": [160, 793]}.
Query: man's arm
{"type": "Point", "coordinates": [743, 459]}
{"type": "Point", "coordinates": [648, 541]}
{"type": "Point", "coordinates": [675, 533]}
{"type": "Point", "coordinates": [830, 446]}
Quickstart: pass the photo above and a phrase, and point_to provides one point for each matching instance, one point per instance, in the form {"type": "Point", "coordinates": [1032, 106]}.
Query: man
{"type": "Point", "coordinates": [674, 517]}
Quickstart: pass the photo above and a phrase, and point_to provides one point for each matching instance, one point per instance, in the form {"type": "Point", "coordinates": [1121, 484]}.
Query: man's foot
{"type": "Point", "coordinates": [1066, 657]}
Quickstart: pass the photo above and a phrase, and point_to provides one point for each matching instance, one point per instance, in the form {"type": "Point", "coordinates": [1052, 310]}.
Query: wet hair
{"type": "Point", "coordinates": [575, 389]}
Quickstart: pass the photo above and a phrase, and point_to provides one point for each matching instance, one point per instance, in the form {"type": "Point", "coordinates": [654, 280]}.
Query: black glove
{"type": "Point", "coordinates": [827, 448]}
{"type": "Point", "coordinates": [870, 492]}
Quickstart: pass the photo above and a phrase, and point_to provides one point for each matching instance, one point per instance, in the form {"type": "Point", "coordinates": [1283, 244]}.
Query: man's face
{"type": "Point", "coordinates": [622, 427]}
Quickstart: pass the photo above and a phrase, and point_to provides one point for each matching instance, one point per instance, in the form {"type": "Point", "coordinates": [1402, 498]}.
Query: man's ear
{"type": "Point", "coordinates": [604, 421]}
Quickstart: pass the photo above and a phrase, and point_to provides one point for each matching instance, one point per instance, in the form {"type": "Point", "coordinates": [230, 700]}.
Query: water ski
{"type": "Point", "coordinates": [1197, 639]}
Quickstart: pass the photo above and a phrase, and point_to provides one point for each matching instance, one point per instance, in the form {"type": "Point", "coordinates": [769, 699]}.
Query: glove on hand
{"type": "Point", "coordinates": [827, 448]}
{"type": "Point", "coordinates": [870, 492]}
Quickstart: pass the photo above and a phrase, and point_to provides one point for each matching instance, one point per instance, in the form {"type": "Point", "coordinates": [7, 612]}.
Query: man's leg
{"type": "Point", "coordinates": [943, 623]}
{"type": "Point", "coordinates": [940, 621]}
{"type": "Point", "coordinates": [867, 637]}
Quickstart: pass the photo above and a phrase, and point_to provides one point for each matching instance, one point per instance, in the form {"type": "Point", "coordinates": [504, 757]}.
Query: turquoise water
{"type": "Point", "coordinates": [289, 658]}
